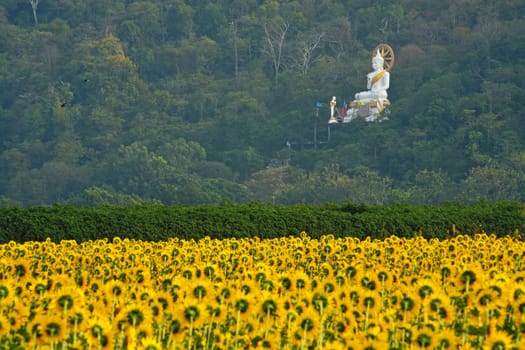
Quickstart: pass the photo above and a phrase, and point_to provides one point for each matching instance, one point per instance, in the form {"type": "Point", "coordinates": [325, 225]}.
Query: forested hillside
{"type": "Point", "coordinates": [200, 101]}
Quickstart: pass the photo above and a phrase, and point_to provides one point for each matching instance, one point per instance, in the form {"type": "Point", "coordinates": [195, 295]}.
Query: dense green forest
{"type": "Point", "coordinates": [214, 101]}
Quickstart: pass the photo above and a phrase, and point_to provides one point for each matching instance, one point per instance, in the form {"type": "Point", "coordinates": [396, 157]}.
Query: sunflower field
{"type": "Point", "coordinates": [296, 292]}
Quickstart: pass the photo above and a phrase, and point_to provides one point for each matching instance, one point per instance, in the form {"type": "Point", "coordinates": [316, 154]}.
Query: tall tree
{"type": "Point", "coordinates": [275, 35]}
{"type": "Point", "coordinates": [306, 51]}
{"type": "Point", "coordinates": [34, 7]}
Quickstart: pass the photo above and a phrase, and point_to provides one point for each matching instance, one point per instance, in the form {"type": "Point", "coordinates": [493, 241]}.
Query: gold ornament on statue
{"type": "Point", "coordinates": [387, 53]}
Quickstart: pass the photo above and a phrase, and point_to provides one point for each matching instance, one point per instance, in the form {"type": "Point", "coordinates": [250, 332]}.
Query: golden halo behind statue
{"type": "Point", "coordinates": [387, 53]}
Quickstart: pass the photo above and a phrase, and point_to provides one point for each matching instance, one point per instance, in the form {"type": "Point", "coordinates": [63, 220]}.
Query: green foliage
{"type": "Point", "coordinates": [159, 222]}
{"type": "Point", "coordinates": [95, 196]}
{"type": "Point", "coordinates": [187, 102]}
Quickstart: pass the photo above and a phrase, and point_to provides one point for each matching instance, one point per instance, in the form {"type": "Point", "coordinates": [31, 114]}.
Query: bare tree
{"type": "Point", "coordinates": [275, 35]}
{"type": "Point", "coordinates": [34, 6]}
{"type": "Point", "coordinates": [306, 50]}
{"type": "Point", "coordinates": [235, 49]}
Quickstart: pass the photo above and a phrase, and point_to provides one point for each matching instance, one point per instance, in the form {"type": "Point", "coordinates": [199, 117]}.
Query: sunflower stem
{"type": "Point", "coordinates": [99, 341]}
{"type": "Point", "coordinates": [321, 331]}
{"type": "Point", "coordinates": [267, 323]}
{"type": "Point", "coordinates": [120, 340]}
{"type": "Point", "coordinates": [113, 306]}
{"type": "Point", "coordinates": [237, 328]}
{"type": "Point", "coordinates": [289, 326]}
{"type": "Point", "coordinates": [303, 340]}
{"type": "Point", "coordinates": [208, 333]}
{"type": "Point", "coordinates": [366, 316]}
{"type": "Point", "coordinates": [65, 322]}
{"type": "Point", "coordinates": [465, 314]}
{"type": "Point", "coordinates": [160, 333]}
{"type": "Point", "coordinates": [191, 333]}
{"type": "Point", "coordinates": [75, 328]}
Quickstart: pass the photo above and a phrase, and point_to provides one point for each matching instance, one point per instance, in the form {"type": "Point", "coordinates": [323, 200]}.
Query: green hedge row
{"type": "Point", "coordinates": [158, 222]}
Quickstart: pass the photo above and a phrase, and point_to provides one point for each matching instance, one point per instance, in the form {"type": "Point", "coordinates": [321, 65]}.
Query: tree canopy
{"type": "Point", "coordinates": [192, 102]}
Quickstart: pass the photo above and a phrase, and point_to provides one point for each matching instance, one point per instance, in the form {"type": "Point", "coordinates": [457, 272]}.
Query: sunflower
{"type": "Point", "coordinates": [194, 314]}
{"type": "Point", "coordinates": [22, 270]}
{"type": "Point", "coordinates": [440, 307]}
{"type": "Point", "coordinates": [98, 332]}
{"type": "Point", "coordinates": [137, 313]}
{"type": "Point", "coordinates": [285, 283]}
{"type": "Point", "coordinates": [269, 305]}
{"type": "Point", "coordinates": [35, 331]}
{"type": "Point", "coordinates": [202, 291]}
{"type": "Point", "coordinates": [175, 330]}
{"type": "Point", "coordinates": [217, 313]}
{"type": "Point", "coordinates": [319, 301]}
{"type": "Point", "coordinates": [408, 306]}
{"type": "Point", "coordinates": [5, 324]}
{"type": "Point", "coordinates": [82, 277]}
{"type": "Point", "coordinates": [325, 270]}
{"type": "Point", "coordinates": [515, 294]}
{"type": "Point", "coordinates": [371, 302]}
{"type": "Point", "coordinates": [468, 277]}
{"type": "Point", "coordinates": [498, 340]}
{"type": "Point", "coordinates": [222, 292]}
{"type": "Point", "coordinates": [145, 330]}
{"type": "Point", "coordinates": [249, 286]}
{"type": "Point", "coordinates": [8, 292]}
{"type": "Point", "coordinates": [446, 339]}
{"type": "Point", "coordinates": [405, 332]}
{"type": "Point", "coordinates": [424, 338]}
{"type": "Point", "coordinates": [354, 295]}
{"type": "Point", "coordinates": [425, 287]}
{"type": "Point", "coordinates": [501, 289]}
{"type": "Point", "coordinates": [113, 289]}
{"type": "Point", "coordinates": [54, 328]}
{"type": "Point", "coordinates": [370, 282]}
{"type": "Point", "coordinates": [486, 302]}
{"type": "Point", "coordinates": [308, 324]}
{"type": "Point", "coordinates": [384, 276]}
{"type": "Point", "coordinates": [446, 274]}
{"type": "Point", "coordinates": [40, 286]}
{"type": "Point", "coordinates": [163, 298]}
{"type": "Point", "coordinates": [379, 332]}
{"type": "Point", "coordinates": [65, 299]}
{"type": "Point", "coordinates": [300, 280]}
{"type": "Point", "coordinates": [242, 302]}
{"type": "Point", "coordinates": [150, 343]}
{"type": "Point", "coordinates": [145, 294]}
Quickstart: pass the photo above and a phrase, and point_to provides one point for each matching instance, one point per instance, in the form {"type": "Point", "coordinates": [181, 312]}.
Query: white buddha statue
{"type": "Point", "coordinates": [370, 104]}
{"type": "Point", "coordinates": [378, 82]}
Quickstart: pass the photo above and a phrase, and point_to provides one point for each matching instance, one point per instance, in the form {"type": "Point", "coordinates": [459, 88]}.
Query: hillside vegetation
{"type": "Point", "coordinates": [194, 102]}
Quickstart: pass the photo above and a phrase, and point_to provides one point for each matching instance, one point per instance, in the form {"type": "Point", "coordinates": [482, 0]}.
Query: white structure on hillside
{"type": "Point", "coordinates": [369, 104]}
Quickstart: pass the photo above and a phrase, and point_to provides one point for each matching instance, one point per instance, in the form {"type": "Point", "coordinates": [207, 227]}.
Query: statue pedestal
{"type": "Point", "coordinates": [369, 110]}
